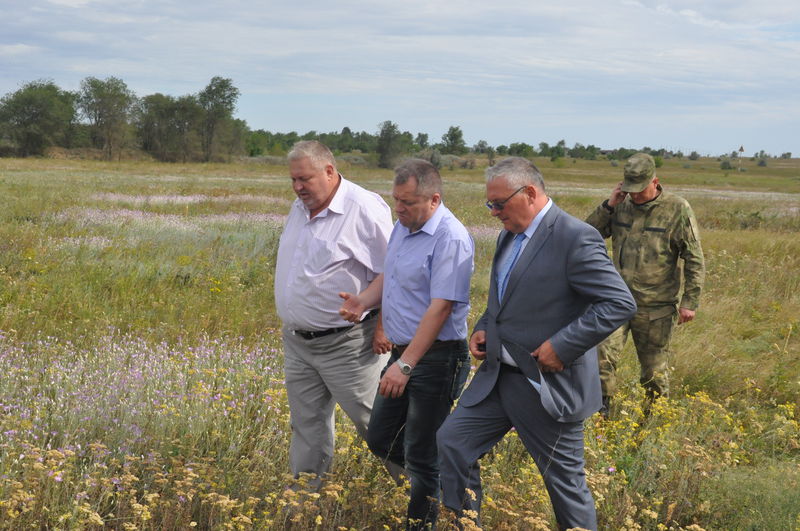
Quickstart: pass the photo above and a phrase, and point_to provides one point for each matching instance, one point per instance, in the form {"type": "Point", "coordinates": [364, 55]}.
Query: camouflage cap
{"type": "Point", "coordinates": [639, 171]}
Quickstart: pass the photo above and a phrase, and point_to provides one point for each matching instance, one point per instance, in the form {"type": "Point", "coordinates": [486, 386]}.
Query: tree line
{"type": "Point", "coordinates": [105, 114]}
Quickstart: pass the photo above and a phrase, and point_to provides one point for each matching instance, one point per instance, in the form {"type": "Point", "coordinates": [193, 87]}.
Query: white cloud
{"type": "Point", "coordinates": [76, 36]}
{"type": "Point", "coordinates": [502, 68]}
{"type": "Point", "coordinates": [71, 3]}
{"type": "Point", "coordinates": [11, 50]}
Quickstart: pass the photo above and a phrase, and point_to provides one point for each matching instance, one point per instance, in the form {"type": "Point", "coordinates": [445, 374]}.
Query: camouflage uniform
{"type": "Point", "coordinates": [647, 241]}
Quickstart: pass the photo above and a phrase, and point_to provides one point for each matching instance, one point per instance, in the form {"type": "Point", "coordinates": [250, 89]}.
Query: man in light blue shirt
{"type": "Point", "coordinates": [424, 298]}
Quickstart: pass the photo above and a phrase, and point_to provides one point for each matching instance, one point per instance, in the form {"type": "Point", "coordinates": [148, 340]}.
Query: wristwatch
{"type": "Point", "coordinates": [405, 368]}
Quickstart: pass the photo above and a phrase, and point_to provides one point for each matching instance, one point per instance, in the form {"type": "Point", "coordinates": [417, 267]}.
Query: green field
{"type": "Point", "coordinates": [142, 368]}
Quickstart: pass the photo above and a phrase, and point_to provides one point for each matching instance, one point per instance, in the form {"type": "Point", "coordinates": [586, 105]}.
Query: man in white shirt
{"type": "Point", "coordinates": [334, 240]}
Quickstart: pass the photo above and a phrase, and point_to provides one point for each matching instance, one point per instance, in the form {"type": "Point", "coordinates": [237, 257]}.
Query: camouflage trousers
{"type": "Point", "coordinates": [651, 330]}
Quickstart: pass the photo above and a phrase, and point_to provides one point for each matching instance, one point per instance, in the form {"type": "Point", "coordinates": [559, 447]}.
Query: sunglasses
{"type": "Point", "coordinates": [499, 205]}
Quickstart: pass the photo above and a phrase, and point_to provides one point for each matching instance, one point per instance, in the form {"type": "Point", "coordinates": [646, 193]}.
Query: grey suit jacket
{"type": "Point", "coordinates": [563, 288]}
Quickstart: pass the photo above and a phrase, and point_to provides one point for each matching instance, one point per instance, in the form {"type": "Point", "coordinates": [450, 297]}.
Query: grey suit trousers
{"type": "Point", "coordinates": [320, 373]}
{"type": "Point", "coordinates": [557, 449]}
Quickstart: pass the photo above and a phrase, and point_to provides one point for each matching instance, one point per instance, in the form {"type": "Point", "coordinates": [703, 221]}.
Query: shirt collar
{"type": "Point", "coordinates": [337, 202]}
{"type": "Point", "coordinates": [656, 199]}
{"type": "Point", "coordinates": [538, 219]}
{"type": "Point", "coordinates": [430, 226]}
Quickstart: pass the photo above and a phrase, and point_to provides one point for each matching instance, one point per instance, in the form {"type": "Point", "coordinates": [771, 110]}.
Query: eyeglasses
{"type": "Point", "coordinates": [499, 205]}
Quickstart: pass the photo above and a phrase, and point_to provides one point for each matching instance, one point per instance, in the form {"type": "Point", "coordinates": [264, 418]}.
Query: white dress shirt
{"type": "Point", "coordinates": [340, 249]}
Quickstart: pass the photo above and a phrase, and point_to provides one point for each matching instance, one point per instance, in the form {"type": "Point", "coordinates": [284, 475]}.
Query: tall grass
{"type": "Point", "coordinates": [142, 370]}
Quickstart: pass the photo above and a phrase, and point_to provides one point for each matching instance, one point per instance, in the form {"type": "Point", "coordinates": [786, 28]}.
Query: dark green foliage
{"type": "Point", "coordinates": [453, 141]}
{"type": "Point", "coordinates": [521, 149]}
{"type": "Point", "coordinates": [389, 144]}
{"type": "Point", "coordinates": [37, 116]}
{"type": "Point", "coordinates": [107, 104]}
{"type": "Point", "coordinates": [218, 101]}
{"type": "Point", "coordinates": [167, 126]}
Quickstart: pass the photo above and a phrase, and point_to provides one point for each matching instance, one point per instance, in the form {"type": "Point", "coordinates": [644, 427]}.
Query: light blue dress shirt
{"type": "Point", "coordinates": [505, 357]}
{"type": "Point", "coordinates": [435, 262]}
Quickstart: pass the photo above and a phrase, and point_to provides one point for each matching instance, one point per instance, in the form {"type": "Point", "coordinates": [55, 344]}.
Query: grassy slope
{"type": "Point", "coordinates": [102, 264]}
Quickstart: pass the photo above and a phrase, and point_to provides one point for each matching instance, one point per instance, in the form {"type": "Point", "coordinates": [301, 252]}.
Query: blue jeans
{"type": "Point", "coordinates": [403, 430]}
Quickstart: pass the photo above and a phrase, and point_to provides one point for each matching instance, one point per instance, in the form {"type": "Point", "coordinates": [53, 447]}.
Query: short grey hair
{"type": "Point", "coordinates": [316, 151]}
{"type": "Point", "coordinates": [429, 181]}
{"type": "Point", "coordinates": [517, 171]}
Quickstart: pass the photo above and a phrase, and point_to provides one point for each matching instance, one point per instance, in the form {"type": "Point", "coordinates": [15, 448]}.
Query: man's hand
{"type": "Point", "coordinates": [393, 383]}
{"type": "Point", "coordinates": [477, 345]}
{"type": "Point", "coordinates": [352, 309]}
{"type": "Point", "coordinates": [547, 358]}
{"type": "Point", "coordinates": [380, 343]}
{"type": "Point", "coordinates": [685, 315]}
{"type": "Point", "coordinates": [617, 195]}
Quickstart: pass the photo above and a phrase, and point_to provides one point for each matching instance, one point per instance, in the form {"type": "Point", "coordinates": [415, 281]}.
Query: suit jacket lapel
{"type": "Point", "coordinates": [543, 232]}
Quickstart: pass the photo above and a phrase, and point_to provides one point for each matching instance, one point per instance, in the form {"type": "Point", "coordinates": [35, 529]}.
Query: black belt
{"type": "Point", "coordinates": [313, 334]}
{"type": "Point", "coordinates": [510, 368]}
{"type": "Point", "coordinates": [436, 344]}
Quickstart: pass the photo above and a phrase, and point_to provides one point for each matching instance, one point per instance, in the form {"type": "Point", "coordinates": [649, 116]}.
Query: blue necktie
{"type": "Point", "coordinates": [505, 268]}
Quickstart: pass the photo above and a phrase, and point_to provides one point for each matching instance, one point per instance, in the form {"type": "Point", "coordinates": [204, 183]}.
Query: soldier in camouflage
{"type": "Point", "coordinates": [650, 232]}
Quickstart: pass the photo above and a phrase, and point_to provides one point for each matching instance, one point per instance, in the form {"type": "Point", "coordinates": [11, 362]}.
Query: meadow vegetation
{"type": "Point", "coordinates": [142, 377]}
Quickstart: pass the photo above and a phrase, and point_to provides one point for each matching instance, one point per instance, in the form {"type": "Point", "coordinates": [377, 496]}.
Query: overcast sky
{"type": "Point", "coordinates": [690, 75]}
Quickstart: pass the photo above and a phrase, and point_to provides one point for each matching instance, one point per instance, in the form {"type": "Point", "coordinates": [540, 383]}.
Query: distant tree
{"type": "Point", "coordinates": [502, 149]}
{"type": "Point", "coordinates": [389, 144]}
{"type": "Point", "coordinates": [622, 153]}
{"type": "Point", "coordinates": [107, 105]}
{"type": "Point", "coordinates": [786, 155]}
{"type": "Point", "coordinates": [544, 149]}
{"type": "Point", "coordinates": [233, 135]}
{"type": "Point", "coordinates": [167, 126]}
{"type": "Point", "coordinates": [346, 140]}
{"type": "Point", "coordinates": [481, 147]}
{"type": "Point", "coordinates": [188, 119]}
{"type": "Point", "coordinates": [258, 143]}
{"type": "Point", "coordinates": [521, 149]}
{"type": "Point", "coordinates": [578, 151]}
{"type": "Point", "coordinates": [659, 161]}
{"type": "Point", "coordinates": [37, 116]}
{"type": "Point", "coordinates": [679, 154]}
{"type": "Point", "coordinates": [490, 155]}
{"type": "Point", "coordinates": [366, 142]}
{"type": "Point", "coordinates": [218, 101]}
{"type": "Point", "coordinates": [559, 150]}
{"type": "Point", "coordinates": [154, 125]}
{"type": "Point", "coordinates": [762, 162]}
{"type": "Point", "coordinates": [453, 141]}
{"type": "Point", "coordinates": [694, 155]}
{"type": "Point", "coordinates": [421, 140]}
{"type": "Point", "coordinates": [592, 152]}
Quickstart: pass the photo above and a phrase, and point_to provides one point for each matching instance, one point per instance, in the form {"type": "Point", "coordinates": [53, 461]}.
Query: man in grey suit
{"type": "Point", "coordinates": [554, 294]}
